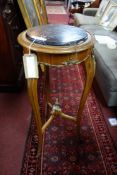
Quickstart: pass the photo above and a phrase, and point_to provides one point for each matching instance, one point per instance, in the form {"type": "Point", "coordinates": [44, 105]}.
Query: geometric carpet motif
{"type": "Point", "coordinates": [64, 152]}
{"type": "Point", "coordinates": [55, 10]}
{"type": "Point", "coordinates": [57, 14]}
{"type": "Point", "coordinates": [54, 2]}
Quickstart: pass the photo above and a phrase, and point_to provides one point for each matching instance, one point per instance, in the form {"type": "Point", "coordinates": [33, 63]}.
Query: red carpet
{"type": "Point", "coordinates": [15, 116]}
{"type": "Point", "coordinates": [63, 152]}
{"type": "Point", "coordinates": [17, 156]}
{"type": "Point", "coordinates": [59, 18]}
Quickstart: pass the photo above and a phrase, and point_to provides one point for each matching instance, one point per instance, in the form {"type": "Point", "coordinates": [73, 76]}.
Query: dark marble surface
{"type": "Point", "coordinates": [56, 35]}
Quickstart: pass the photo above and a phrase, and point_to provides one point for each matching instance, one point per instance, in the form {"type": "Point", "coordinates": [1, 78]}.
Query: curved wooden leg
{"type": "Point", "coordinates": [33, 95]}
{"type": "Point", "coordinates": [47, 91]}
{"type": "Point", "coordinates": [90, 71]}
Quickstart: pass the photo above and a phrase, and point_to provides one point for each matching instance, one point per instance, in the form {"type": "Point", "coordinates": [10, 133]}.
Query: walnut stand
{"type": "Point", "coordinates": [59, 55]}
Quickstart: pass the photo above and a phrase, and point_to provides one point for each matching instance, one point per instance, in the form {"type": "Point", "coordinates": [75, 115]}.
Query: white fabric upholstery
{"type": "Point", "coordinates": [81, 19]}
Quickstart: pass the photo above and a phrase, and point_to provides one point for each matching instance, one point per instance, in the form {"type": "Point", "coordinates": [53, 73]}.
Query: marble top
{"type": "Point", "coordinates": [56, 35]}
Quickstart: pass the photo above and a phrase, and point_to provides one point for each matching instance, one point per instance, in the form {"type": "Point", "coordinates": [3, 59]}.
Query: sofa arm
{"type": "Point", "coordinates": [90, 11]}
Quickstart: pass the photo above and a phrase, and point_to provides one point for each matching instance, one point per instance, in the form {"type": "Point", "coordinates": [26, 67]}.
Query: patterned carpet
{"type": "Point", "coordinates": [55, 10]}
{"type": "Point", "coordinates": [64, 153]}
{"type": "Point", "coordinates": [57, 14]}
{"type": "Point", "coordinates": [54, 2]}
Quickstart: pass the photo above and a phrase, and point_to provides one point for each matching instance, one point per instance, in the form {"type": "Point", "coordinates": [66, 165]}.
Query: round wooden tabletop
{"type": "Point", "coordinates": [57, 39]}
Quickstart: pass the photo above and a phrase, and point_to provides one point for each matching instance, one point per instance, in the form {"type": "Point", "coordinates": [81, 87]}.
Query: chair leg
{"type": "Point", "coordinates": [47, 90]}
{"type": "Point", "coordinates": [90, 72]}
{"type": "Point", "coordinates": [33, 95]}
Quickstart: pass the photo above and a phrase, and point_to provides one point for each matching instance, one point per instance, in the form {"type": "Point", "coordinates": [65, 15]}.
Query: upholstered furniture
{"type": "Point", "coordinates": [88, 17]}
{"type": "Point", "coordinates": [106, 58]}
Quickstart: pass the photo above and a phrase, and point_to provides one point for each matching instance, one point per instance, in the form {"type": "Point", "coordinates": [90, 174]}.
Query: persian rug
{"type": "Point", "coordinates": [56, 10]}
{"type": "Point", "coordinates": [57, 15]}
{"type": "Point", "coordinates": [54, 2]}
{"type": "Point", "coordinates": [58, 19]}
{"type": "Point", "coordinates": [64, 152]}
